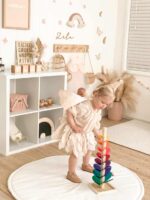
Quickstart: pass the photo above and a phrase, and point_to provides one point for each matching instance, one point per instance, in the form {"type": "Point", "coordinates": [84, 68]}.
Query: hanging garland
{"type": "Point", "coordinates": [143, 85]}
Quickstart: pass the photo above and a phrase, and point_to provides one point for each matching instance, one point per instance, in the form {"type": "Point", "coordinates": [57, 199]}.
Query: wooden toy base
{"type": "Point", "coordinates": [103, 188]}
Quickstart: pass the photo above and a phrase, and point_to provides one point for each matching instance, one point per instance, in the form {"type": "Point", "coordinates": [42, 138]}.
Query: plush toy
{"type": "Point", "coordinates": [15, 134]}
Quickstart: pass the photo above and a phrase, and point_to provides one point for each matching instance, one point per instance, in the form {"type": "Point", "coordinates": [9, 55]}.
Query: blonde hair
{"type": "Point", "coordinates": [104, 91]}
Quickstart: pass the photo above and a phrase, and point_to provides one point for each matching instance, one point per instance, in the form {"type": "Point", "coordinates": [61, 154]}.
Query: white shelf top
{"type": "Point", "coordinates": [30, 111]}
{"type": "Point", "coordinates": [26, 145]}
{"type": "Point", "coordinates": [23, 145]}
{"type": "Point", "coordinates": [45, 140]}
{"type": "Point", "coordinates": [52, 107]}
{"type": "Point", "coordinates": [10, 75]}
{"type": "Point", "coordinates": [26, 112]}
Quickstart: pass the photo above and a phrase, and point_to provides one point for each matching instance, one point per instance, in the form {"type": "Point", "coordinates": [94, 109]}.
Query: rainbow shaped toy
{"type": "Point", "coordinates": [102, 167]}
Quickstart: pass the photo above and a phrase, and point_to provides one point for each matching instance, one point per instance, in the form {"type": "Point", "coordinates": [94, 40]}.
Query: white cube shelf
{"type": "Point", "coordinates": [38, 86]}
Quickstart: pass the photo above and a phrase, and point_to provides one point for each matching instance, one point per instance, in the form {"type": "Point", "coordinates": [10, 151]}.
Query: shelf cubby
{"type": "Point", "coordinates": [37, 86]}
{"type": "Point", "coordinates": [50, 86]}
{"type": "Point", "coordinates": [27, 124]}
{"type": "Point", "coordinates": [54, 115]}
{"type": "Point", "coordinates": [29, 86]}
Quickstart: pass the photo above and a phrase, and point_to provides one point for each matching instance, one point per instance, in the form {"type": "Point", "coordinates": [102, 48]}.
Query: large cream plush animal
{"type": "Point", "coordinates": [15, 133]}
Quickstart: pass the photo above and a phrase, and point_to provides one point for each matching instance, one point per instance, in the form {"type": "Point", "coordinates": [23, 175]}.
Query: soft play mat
{"type": "Point", "coordinates": [45, 180]}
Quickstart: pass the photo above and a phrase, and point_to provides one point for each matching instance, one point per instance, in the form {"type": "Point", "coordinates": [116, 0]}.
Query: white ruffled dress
{"type": "Point", "coordinates": [79, 143]}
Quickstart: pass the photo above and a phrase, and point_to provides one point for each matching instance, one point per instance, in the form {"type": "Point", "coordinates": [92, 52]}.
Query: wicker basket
{"type": "Point", "coordinates": [58, 62]}
{"type": "Point", "coordinates": [90, 77]}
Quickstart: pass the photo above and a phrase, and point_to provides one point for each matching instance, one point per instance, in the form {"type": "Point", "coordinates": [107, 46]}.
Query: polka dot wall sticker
{"type": "Point", "coordinates": [4, 40]}
{"type": "Point", "coordinates": [100, 13]}
{"type": "Point", "coordinates": [43, 21]}
{"type": "Point", "coordinates": [98, 56]}
{"type": "Point", "coordinates": [143, 85]}
{"type": "Point", "coordinates": [45, 46]}
{"type": "Point", "coordinates": [104, 40]}
{"type": "Point", "coordinates": [99, 31]}
{"type": "Point", "coordinates": [70, 3]}
{"type": "Point", "coordinates": [59, 22]}
{"type": "Point", "coordinates": [84, 6]}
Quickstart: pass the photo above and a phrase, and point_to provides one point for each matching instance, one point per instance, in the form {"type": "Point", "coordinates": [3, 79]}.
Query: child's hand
{"type": "Point", "coordinates": [97, 133]}
{"type": "Point", "coordinates": [77, 129]}
{"type": "Point", "coordinates": [70, 119]}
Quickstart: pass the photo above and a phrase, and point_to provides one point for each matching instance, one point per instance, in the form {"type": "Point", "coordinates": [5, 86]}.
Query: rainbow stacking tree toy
{"type": "Point", "coordinates": [102, 168]}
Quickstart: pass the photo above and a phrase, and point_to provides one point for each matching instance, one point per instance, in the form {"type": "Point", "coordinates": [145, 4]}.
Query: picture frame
{"type": "Point", "coordinates": [16, 14]}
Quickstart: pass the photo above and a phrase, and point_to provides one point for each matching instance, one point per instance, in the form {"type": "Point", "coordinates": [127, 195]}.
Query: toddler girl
{"type": "Point", "coordinates": [80, 122]}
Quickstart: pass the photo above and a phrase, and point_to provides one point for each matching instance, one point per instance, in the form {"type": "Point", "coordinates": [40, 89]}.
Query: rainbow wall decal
{"type": "Point", "coordinates": [73, 18]}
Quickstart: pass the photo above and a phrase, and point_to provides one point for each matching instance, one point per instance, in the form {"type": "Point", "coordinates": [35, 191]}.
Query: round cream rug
{"type": "Point", "coordinates": [45, 180]}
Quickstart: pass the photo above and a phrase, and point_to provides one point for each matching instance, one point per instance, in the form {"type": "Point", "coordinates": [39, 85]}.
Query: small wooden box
{"type": "Point", "coordinates": [31, 68]}
{"type": "Point", "coordinates": [25, 69]}
{"type": "Point", "coordinates": [15, 69]}
{"type": "Point", "coordinates": [38, 68]}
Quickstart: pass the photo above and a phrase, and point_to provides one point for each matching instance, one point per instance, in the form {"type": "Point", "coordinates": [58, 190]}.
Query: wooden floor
{"type": "Point", "coordinates": [134, 160]}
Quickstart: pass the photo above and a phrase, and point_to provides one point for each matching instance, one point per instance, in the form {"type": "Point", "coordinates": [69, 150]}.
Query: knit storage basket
{"type": "Point", "coordinates": [18, 102]}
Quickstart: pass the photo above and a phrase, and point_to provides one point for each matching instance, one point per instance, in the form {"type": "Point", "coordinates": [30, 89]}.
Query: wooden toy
{"type": "Point", "coordinates": [15, 69]}
{"type": "Point", "coordinates": [102, 168]}
{"type": "Point", "coordinates": [31, 68]}
{"type": "Point", "coordinates": [25, 69]}
{"type": "Point", "coordinates": [24, 52]}
{"type": "Point", "coordinates": [38, 68]}
{"type": "Point", "coordinates": [45, 67]}
{"type": "Point", "coordinates": [46, 127]}
{"type": "Point", "coordinates": [37, 51]}
{"type": "Point", "coordinates": [42, 103]}
{"type": "Point", "coordinates": [2, 66]}
{"type": "Point", "coordinates": [49, 101]}
{"type": "Point", "coordinates": [45, 102]}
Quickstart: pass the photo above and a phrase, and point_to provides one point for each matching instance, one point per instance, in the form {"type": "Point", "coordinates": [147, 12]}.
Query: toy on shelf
{"type": "Point", "coordinates": [18, 102]}
{"type": "Point", "coordinates": [29, 68]}
{"type": "Point", "coordinates": [24, 52]}
{"type": "Point", "coordinates": [46, 102]}
{"type": "Point", "coordinates": [15, 69]}
{"type": "Point", "coordinates": [58, 62]}
{"type": "Point", "coordinates": [46, 127]}
{"type": "Point", "coordinates": [2, 67]}
{"type": "Point", "coordinates": [16, 135]}
{"type": "Point", "coordinates": [37, 51]}
{"type": "Point", "coordinates": [102, 168]}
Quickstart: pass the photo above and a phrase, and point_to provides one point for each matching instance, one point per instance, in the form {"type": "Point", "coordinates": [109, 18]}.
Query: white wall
{"type": "Point", "coordinates": [55, 13]}
{"type": "Point", "coordinates": [143, 108]}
